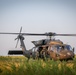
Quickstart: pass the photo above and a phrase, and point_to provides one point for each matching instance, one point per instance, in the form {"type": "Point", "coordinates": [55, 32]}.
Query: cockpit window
{"type": "Point", "coordinates": [60, 47]}
{"type": "Point", "coordinates": [68, 47]}
{"type": "Point", "coordinates": [65, 47]}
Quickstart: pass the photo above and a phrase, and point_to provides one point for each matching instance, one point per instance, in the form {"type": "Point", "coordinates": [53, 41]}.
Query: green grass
{"type": "Point", "coordinates": [18, 65]}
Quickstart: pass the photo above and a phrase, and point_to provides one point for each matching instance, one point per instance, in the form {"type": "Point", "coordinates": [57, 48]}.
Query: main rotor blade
{"type": "Point", "coordinates": [23, 33]}
{"type": "Point", "coordinates": [48, 34]}
{"type": "Point", "coordinates": [34, 34]}
{"type": "Point", "coordinates": [65, 35]}
{"type": "Point", "coordinates": [8, 33]}
{"type": "Point", "coordinates": [38, 34]}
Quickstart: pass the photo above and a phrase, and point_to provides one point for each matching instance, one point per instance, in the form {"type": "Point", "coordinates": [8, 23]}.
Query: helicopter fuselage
{"type": "Point", "coordinates": [56, 50]}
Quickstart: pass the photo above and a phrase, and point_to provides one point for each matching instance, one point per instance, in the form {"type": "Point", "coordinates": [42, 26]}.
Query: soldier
{"type": "Point", "coordinates": [43, 53]}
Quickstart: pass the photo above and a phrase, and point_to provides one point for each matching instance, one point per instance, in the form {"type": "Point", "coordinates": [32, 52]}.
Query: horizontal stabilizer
{"type": "Point", "coordinates": [15, 52]}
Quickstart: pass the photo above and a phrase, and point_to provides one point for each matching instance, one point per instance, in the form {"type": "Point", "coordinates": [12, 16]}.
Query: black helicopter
{"type": "Point", "coordinates": [45, 48]}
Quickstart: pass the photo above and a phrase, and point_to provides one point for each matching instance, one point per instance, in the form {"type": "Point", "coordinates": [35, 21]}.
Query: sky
{"type": "Point", "coordinates": [36, 16]}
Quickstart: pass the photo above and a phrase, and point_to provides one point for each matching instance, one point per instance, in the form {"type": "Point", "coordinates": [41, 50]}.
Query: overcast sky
{"type": "Point", "coordinates": [36, 16]}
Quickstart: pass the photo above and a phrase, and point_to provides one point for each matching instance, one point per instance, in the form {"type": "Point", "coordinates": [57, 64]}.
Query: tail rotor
{"type": "Point", "coordinates": [18, 37]}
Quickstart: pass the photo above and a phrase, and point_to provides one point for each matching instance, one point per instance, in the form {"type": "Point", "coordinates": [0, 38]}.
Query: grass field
{"type": "Point", "coordinates": [18, 65]}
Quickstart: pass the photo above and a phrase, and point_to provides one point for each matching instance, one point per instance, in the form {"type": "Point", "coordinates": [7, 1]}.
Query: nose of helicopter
{"type": "Point", "coordinates": [67, 55]}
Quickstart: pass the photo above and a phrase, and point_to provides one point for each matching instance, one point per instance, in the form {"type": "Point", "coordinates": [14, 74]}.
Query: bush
{"type": "Point", "coordinates": [18, 65]}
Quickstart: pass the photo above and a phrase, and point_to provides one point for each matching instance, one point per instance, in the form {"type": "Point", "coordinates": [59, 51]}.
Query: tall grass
{"type": "Point", "coordinates": [19, 65]}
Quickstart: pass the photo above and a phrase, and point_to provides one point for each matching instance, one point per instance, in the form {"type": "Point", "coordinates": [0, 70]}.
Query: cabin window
{"type": "Point", "coordinates": [52, 48]}
{"type": "Point", "coordinates": [33, 49]}
{"type": "Point", "coordinates": [58, 47]}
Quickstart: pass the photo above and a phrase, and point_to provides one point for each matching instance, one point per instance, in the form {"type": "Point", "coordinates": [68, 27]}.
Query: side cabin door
{"type": "Point", "coordinates": [35, 52]}
{"type": "Point", "coordinates": [53, 52]}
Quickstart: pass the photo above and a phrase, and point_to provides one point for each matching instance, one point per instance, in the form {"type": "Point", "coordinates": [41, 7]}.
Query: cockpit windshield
{"type": "Point", "coordinates": [64, 47]}
{"type": "Point", "coordinates": [68, 47]}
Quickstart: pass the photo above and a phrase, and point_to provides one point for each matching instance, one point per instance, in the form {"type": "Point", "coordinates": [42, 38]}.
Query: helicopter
{"type": "Point", "coordinates": [44, 48]}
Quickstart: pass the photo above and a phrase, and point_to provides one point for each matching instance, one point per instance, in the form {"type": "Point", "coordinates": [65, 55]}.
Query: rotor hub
{"type": "Point", "coordinates": [50, 34]}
